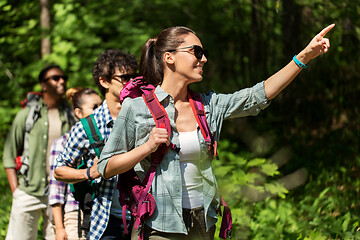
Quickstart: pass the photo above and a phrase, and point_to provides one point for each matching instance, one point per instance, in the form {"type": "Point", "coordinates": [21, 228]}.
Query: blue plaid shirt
{"type": "Point", "coordinates": [133, 126]}
{"type": "Point", "coordinates": [71, 157]}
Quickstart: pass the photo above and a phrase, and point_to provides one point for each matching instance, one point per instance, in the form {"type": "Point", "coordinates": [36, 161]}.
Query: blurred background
{"type": "Point", "coordinates": [293, 171]}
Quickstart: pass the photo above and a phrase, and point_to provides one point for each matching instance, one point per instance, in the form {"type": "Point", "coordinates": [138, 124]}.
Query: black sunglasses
{"type": "Point", "coordinates": [198, 51]}
{"type": "Point", "coordinates": [125, 77]}
{"type": "Point", "coordinates": [57, 78]}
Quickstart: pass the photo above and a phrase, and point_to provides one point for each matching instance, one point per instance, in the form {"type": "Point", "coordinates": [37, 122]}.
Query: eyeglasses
{"type": "Point", "coordinates": [198, 51]}
{"type": "Point", "coordinates": [57, 78]}
{"type": "Point", "coordinates": [125, 77]}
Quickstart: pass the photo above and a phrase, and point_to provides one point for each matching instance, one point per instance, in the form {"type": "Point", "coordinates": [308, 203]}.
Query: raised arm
{"type": "Point", "coordinates": [277, 82]}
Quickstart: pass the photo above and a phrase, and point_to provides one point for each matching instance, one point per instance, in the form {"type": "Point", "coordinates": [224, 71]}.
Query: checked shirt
{"type": "Point", "coordinates": [57, 189]}
{"type": "Point", "coordinates": [76, 144]}
{"type": "Point", "coordinates": [132, 129]}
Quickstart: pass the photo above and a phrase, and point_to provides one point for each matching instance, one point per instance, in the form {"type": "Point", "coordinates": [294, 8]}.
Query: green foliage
{"type": "Point", "coordinates": [317, 115]}
{"type": "Point", "coordinates": [238, 171]}
{"type": "Point", "coordinates": [327, 208]}
{"type": "Point", "coordinates": [5, 199]}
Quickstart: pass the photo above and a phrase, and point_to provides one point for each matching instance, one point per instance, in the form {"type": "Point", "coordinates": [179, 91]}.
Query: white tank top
{"type": "Point", "coordinates": [192, 196]}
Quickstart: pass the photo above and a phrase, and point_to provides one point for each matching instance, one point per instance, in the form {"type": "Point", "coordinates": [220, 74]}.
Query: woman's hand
{"type": "Point", "coordinates": [158, 136]}
{"type": "Point", "coordinates": [318, 45]}
{"type": "Point", "coordinates": [60, 234]}
{"type": "Point", "coordinates": [120, 163]}
{"type": "Point", "coordinates": [278, 81]}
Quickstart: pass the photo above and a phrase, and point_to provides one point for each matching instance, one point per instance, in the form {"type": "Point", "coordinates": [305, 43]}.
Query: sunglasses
{"type": "Point", "coordinates": [125, 77]}
{"type": "Point", "coordinates": [198, 51]}
{"type": "Point", "coordinates": [57, 78]}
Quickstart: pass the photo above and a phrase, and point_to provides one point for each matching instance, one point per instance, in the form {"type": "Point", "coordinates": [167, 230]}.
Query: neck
{"type": "Point", "coordinates": [113, 105]}
{"type": "Point", "coordinates": [52, 101]}
{"type": "Point", "coordinates": [176, 88]}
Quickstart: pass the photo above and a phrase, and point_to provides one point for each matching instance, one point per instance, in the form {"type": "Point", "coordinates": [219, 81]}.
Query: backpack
{"type": "Point", "coordinates": [22, 162]}
{"type": "Point", "coordinates": [133, 194]}
{"type": "Point", "coordinates": [32, 101]}
{"type": "Point", "coordinates": [84, 192]}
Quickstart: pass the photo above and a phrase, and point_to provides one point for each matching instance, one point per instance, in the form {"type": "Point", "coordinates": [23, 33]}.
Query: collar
{"type": "Point", "coordinates": [161, 94]}
{"type": "Point", "coordinates": [104, 112]}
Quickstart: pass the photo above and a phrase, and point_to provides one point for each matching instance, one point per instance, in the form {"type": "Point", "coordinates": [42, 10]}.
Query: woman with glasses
{"type": "Point", "coordinates": [184, 187]}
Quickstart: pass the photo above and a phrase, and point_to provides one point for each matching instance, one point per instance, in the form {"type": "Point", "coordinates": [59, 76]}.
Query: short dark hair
{"type": "Point", "coordinates": [107, 63]}
{"type": "Point", "coordinates": [45, 70]}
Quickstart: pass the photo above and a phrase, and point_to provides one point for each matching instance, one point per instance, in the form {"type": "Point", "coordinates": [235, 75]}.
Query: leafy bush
{"type": "Point", "coordinates": [327, 207]}
{"type": "Point", "coordinates": [239, 174]}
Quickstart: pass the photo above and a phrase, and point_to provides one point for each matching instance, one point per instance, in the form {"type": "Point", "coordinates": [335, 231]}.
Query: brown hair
{"type": "Point", "coordinates": [151, 62]}
{"type": "Point", "coordinates": [75, 95]}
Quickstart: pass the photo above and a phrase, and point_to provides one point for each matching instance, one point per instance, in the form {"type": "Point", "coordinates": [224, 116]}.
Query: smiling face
{"type": "Point", "coordinates": [185, 63]}
{"type": "Point", "coordinates": [54, 83]}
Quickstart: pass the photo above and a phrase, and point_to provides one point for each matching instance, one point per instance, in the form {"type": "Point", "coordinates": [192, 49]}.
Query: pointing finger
{"type": "Point", "coordinates": [326, 30]}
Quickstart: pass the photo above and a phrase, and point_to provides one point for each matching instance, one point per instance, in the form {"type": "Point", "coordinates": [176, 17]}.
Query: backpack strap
{"type": "Point", "coordinates": [162, 121]}
{"type": "Point", "coordinates": [198, 109]}
{"type": "Point", "coordinates": [34, 113]}
{"type": "Point", "coordinates": [226, 223]}
{"type": "Point", "coordinates": [84, 192]}
{"type": "Point", "coordinates": [92, 132]}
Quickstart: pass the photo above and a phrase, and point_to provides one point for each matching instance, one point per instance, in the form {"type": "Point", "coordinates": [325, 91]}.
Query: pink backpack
{"type": "Point", "coordinates": [133, 194]}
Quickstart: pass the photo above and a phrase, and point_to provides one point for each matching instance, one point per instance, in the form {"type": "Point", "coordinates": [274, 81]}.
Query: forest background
{"type": "Point", "coordinates": [293, 171]}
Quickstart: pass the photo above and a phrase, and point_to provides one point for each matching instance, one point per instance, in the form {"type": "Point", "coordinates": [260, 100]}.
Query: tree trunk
{"type": "Point", "coordinates": [45, 28]}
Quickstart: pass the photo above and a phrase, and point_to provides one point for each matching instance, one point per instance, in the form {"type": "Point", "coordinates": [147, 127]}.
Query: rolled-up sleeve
{"type": "Point", "coordinates": [15, 139]}
{"type": "Point", "coordinates": [245, 102]}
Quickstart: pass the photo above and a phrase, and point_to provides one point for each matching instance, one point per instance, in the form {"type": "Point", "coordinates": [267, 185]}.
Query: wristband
{"type": "Point", "coordinates": [300, 64]}
{"type": "Point", "coordinates": [88, 173]}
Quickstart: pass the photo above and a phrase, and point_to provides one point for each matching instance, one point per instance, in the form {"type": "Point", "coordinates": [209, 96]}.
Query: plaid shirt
{"type": "Point", "coordinates": [71, 157]}
{"type": "Point", "coordinates": [132, 129]}
{"type": "Point", "coordinates": [57, 188]}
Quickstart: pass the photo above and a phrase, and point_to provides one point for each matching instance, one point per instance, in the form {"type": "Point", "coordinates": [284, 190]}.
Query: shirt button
{"type": "Point", "coordinates": [44, 151]}
{"type": "Point", "coordinates": [45, 123]}
{"type": "Point", "coordinates": [43, 179]}
{"type": "Point", "coordinates": [44, 164]}
{"type": "Point", "coordinates": [45, 136]}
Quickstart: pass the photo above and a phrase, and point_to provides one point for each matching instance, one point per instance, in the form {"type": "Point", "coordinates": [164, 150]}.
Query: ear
{"type": "Point", "coordinates": [105, 84]}
{"type": "Point", "coordinates": [169, 58]}
{"type": "Point", "coordinates": [43, 86]}
{"type": "Point", "coordinates": [78, 113]}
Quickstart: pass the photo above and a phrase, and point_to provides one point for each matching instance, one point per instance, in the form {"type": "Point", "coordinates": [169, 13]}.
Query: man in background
{"type": "Point", "coordinates": [32, 132]}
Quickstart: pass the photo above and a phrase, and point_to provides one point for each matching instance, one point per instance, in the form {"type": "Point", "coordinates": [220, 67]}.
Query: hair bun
{"type": "Point", "coordinates": [71, 92]}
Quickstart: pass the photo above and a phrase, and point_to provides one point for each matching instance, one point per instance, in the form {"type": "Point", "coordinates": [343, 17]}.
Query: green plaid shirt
{"type": "Point", "coordinates": [132, 128]}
